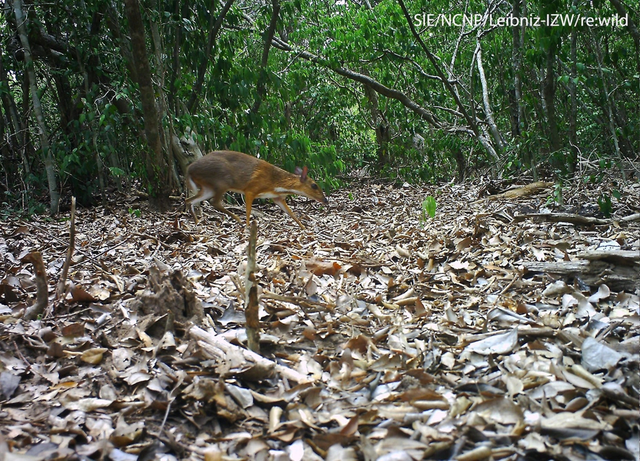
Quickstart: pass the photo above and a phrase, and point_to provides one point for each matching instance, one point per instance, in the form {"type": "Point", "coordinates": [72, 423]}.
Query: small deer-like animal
{"type": "Point", "coordinates": [221, 171]}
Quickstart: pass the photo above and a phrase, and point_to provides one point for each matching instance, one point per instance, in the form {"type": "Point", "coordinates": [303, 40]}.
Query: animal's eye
{"type": "Point", "coordinates": [314, 186]}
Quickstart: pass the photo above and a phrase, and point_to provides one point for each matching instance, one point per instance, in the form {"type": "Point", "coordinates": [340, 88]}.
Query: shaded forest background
{"type": "Point", "coordinates": [99, 95]}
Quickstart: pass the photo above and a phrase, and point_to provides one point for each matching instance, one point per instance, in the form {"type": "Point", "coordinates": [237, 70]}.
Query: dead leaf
{"type": "Point", "coordinates": [496, 344]}
{"type": "Point", "coordinates": [93, 356]}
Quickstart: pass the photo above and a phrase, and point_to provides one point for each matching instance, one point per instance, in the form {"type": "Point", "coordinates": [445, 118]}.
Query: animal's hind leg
{"type": "Point", "coordinates": [205, 193]}
{"type": "Point", "coordinates": [217, 204]}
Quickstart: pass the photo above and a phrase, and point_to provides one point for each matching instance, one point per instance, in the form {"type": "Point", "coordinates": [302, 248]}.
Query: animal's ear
{"type": "Point", "coordinates": [302, 172]}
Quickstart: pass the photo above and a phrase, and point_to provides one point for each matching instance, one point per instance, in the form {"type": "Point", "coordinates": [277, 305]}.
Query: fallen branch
{"type": "Point", "coordinates": [630, 218]}
{"type": "Point", "coordinates": [216, 347]}
{"type": "Point", "coordinates": [618, 269]}
{"type": "Point", "coordinates": [297, 300]}
{"type": "Point", "coordinates": [563, 217]}
{"type": "Point", "coordinates": [622, 257]}
{"type": "Point", "coordinates": [524, 191]}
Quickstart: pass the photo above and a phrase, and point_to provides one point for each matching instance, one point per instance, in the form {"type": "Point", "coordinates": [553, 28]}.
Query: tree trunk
{"type": "Point", "coordinates": [493, 128]}
{"type": "Point", "coordinates": [461, 163]}
{"type": "Point", "coordinates": [608, 105]}
{"type": "Point", "coordinates": [179, 8]}
{"type": "Point", "coordinates": [516, 60]}
{"type": "Point", "coordinates": [49, 163]}
{"type": "Point", "coordinates": [157, 169]}
{"type": "Point", "coordinates": [549, 92]}
{"type": "Point", "coordinates": [633, 29]}
{"type": "Point", "coordinates": [16, 130]}
{"type": "Point", "coordinates": [167, 132]}
{"type": "Point", "coordinates": [262, 76]}
{"type": "Point", "coordinates": [213, 34]}
{"type": "Point", "coordinates": [573, 109]}
{"type": "Point", "coordinates": [185, 150]}
{"type": "Point", "coordinates": [472, 122]}
{"type": "Point", "coordinates": [380, 125]}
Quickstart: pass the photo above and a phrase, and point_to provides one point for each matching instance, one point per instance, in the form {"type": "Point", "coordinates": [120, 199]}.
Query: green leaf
{"type": "Point", "coordinates": [604, 202]}
{"type": "Point", "coordinates": [428, 209]}
{"type": "Point", "coordinates": [116, 171]}
{"type": "Point", "coordinates": [429, 205]}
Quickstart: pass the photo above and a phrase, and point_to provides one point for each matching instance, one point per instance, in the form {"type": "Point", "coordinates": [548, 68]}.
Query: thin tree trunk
{"type": "Point", "coordinates": [548, 93]}
{"type": "Point", "coordinates": [573, 110]}
{"type": "Point", "coordinates": [166, 133]}
{"type": "Point", "coordinates": [251, 301]}
{"type": "Point", "coordinates": [471, 121]}
{"type": "Point", "coordinates": [158, 177]}
{"type": "Point", "coordinates": [461, 163]}
{"type": "Point", "coordinates": [380, 124]}
{"type": "Point", "coordinates": [100, 168]}
{"type": "Point", "coordinates": [516, 60]}
{"type": "Point", "coordinates": [213, 34]}
{"type": "Point", "coordinates": [633, 29]}
{"type": "Point", "coordinates": [520, 10]}
{"type": "Point", "coordinates": [262, 77]}
{"type": "Point", "coordinates": [608, 107]}
{"type": "Point", "coordinates": [16, 128]}
{"type": "Point", "coordinates": [49, 164]}
{"type": "Point", "coordinates": [175, 60]}
{"type": "Point", "coordinates": [493, 128]}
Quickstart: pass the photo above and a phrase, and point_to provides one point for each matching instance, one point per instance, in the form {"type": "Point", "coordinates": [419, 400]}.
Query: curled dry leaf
{"type": "Point", "coordinates": [126, 434]}
{"type": "Point", "coordinates": [80, 295]}
{"type": "Point", "coordinates": [320, 268]}
{"type": "Point", "coordinates": [93, 356]}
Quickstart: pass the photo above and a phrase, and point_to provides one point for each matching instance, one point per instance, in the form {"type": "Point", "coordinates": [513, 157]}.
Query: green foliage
{"type": "Point", "coordinates": [428, 209]}
{"type": "Point", "coordinates": [116, 172]}
{"type": "Point", "coordinates": [604, 202]}
{"type": "Point", "coordinates": [308, 114]}
{"type": "Point", "coordinates": [557, 196]}
{"type": "Point", "coordinates": [135, 212]}
{"type": "Point", "coordinates": [22, 207]}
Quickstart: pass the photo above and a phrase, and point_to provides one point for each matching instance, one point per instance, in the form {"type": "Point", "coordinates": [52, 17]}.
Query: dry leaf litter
{"type": "Point", "coordinates": [386, 334]}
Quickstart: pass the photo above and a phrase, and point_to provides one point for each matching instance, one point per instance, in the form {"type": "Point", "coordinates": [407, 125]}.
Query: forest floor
{"type": "Point", "coordinates": [498, 329]}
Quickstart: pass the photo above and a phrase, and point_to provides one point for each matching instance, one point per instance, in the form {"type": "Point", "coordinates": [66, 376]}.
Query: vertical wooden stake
{"type": "Point", "coordinates": [62, 282]}
{"type": "Point", "coordinates": [42, 299]}
{"type": "Point", "coordinates": [251, 304]}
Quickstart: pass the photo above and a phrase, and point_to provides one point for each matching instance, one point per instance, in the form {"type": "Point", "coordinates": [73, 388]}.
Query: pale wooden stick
{"type": "Point", "coordinates": [217, 347]}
